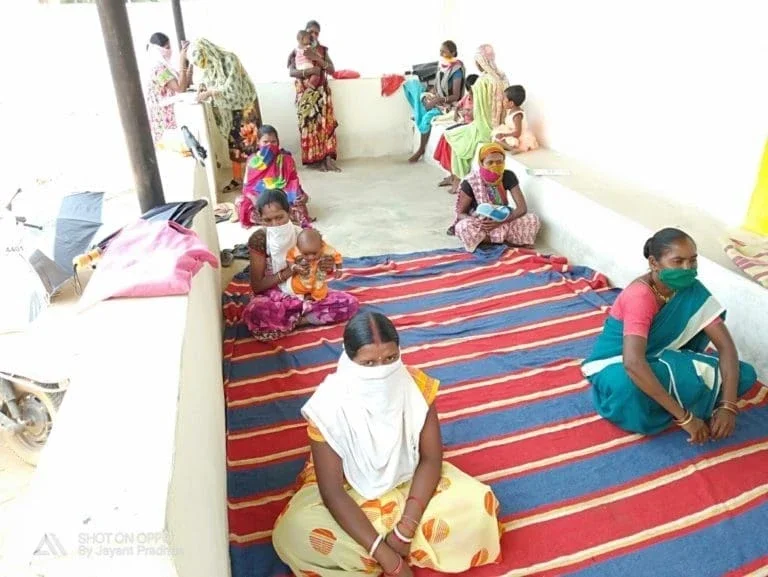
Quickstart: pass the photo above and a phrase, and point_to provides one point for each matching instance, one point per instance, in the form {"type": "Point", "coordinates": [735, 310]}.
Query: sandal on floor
{"type": "Point", "coordinates": [241, 251]}
{"type": "Point", "coordinates": [232, 186]}
{"type": "Point", "coordinates": [227, 258]}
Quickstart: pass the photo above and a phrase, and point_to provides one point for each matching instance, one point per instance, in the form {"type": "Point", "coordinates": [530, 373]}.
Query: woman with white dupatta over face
{"type": "Point", "coordinates": [376, 496]}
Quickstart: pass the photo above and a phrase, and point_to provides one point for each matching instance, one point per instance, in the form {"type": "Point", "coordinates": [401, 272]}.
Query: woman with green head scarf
{"type": "Point", "coordinates": [233, 96]}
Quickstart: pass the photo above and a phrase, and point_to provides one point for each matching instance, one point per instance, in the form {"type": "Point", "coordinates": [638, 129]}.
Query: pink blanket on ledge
{"type": "Point", "coordinates": [148, 259]}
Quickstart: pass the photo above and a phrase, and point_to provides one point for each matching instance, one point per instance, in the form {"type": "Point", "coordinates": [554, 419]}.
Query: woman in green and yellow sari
{"type": "Point", "coordinates": [233, 96]}
{"type": "Point", "coordinates": [488, 113]}
{"type": "Point", "coordinates": [649, 367]}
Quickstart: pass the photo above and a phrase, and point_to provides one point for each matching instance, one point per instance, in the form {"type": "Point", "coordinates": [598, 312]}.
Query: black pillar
{"type": "Point", "coordinates": [178, 21]}
{"type": "Point", "coordinates": [130, 100]}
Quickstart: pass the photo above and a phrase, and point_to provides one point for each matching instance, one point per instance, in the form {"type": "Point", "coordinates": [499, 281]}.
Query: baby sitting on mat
{"type": "Point", "coordinates": [311, 282]}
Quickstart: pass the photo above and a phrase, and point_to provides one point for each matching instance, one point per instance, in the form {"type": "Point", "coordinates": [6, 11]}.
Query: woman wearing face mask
{"type": "Point", "coordinates": [273, 312]}
{"type": "Point", "coordinates": [314, 106]}
{"type": "Point", "coordinates": [457, 147]}
{"type": "Point", "coordinates": [270, 168]}
{"type": "Point", "coordinates": [649, 369]}
{"type": "Point", "coordinates": [491, 208]}
{"type": "Point", "coordinates": [376, 495]}
{"type": "Point", "coordinates": [233, 95]}
{"type": "Point", "coordinates": [164, 82]}
{"type": "Point", "coordinates": [449, 86]}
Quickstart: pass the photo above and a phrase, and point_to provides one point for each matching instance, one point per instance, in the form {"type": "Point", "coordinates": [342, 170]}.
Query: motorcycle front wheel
{"type": "Point", "coordinates": [39, 410]}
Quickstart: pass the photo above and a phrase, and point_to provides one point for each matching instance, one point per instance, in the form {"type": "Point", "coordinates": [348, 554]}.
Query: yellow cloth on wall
{"type": "Point", "coordinates": [757, 215]}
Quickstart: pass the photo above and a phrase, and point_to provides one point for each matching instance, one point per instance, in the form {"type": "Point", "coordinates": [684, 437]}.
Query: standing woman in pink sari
{"type": "Point", "coordinates": [314, 107]}
{"type": "Point", "coordinates": [271, 168]}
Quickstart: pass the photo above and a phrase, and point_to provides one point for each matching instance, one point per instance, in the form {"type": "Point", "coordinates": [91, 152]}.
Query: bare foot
{"type": "Point", "coordinates": [447, 181]}
{"type": "Point", "coordinates": [416, 156]}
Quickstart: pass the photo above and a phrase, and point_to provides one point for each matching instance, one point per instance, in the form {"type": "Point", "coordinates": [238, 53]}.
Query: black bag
{"type": "Point", "coordinates": [426, 71]}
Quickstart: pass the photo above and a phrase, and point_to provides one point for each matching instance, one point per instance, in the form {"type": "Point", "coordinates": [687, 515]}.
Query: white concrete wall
{"type": "Point", "coordinates": [197, 497]}
{"type": "Point", "coordinates": [137, 455]}
{"type": "Point", "coordinates": [370, 125]}
{"type": "Point", "coordinates": [667, 96]}
{"type": "Point", "coordinates": [591, 233]}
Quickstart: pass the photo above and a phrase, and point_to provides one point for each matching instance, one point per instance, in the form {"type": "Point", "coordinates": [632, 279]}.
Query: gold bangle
{"type": "Point", "coordinates": [687, 418]}
{"type": "Point", "coordinates": [734, 411]}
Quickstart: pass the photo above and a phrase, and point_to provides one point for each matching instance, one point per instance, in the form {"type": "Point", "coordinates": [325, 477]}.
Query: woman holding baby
{"type": "Point", "coordinates": [289, 272]}
{"type": "Point", "coordinates": [310, 65]}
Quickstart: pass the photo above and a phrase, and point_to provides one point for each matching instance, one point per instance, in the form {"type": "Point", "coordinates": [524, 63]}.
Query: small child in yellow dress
{"type": "Point", "coordinates": [311, 282]}
{"type": "Point", "coordinates": [515, 135]}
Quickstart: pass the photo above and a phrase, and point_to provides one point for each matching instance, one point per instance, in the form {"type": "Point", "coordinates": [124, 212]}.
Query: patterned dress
{"type": "Point", "coordinates": [518, 232]}
{"type": "Point", "coordinates": [459, 529]}
{"type": "Point", "coordinates": [236, 104]}
{"type": "Point", "coordinates": [273, 314]}
{"type": "Point", "coordinates": [161, 118]}
{"type": "Point", "coordinates": [317, 122]}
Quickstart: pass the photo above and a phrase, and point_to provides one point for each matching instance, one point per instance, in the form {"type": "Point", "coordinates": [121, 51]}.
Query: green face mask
{"type": "Point", "coordinates": [678, 278]}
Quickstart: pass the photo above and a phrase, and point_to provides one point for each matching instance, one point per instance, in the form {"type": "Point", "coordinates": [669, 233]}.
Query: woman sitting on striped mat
{"type": "Point", "coordinates": [649, 367]}
{"type": "Point", "coordinates": [376, 495]}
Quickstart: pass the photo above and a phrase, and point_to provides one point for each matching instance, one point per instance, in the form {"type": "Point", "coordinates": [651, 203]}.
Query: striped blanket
{"type": "Point", "coordinates": [505, 332]}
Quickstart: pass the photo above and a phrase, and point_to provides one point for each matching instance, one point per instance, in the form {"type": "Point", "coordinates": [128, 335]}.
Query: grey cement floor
{"type": "Point", "coordinates": [374, 206]}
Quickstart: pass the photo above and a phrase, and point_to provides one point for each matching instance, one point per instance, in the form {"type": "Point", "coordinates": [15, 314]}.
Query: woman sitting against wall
{"type": "Point", "coordinates": [651, 367]}
{"type": "Point", "coordinates": [458, 146]}
{"type": "Point", "coordinates": [491, 207]}
{"type": "Point", "coordinates": [449, 89]}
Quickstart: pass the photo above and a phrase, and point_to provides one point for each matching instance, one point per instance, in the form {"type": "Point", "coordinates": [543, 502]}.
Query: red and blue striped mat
{"type": "Point", "coordinates": [505, 331]}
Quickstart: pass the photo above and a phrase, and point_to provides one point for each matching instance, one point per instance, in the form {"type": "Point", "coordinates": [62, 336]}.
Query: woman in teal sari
{"type": "Point", "coordinates": [649, 369]}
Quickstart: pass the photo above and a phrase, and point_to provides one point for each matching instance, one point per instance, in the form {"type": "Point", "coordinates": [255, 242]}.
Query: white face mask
{"type": "Point", "coordinates": [280, 239]}
{"type": "Point", "coordinates": [375, 373]}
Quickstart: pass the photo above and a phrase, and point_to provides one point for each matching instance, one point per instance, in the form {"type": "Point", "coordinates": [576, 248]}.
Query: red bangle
{"type": "Point", "coordinates": [415, 500]}
{"type": "Point", "coordinates": [397, 570]}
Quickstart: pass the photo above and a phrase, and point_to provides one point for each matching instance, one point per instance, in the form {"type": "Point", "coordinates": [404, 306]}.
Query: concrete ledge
{"type": "Point", "coordinates": [598, 222]}
{"type": "Point", "coordinates": [133, 479]}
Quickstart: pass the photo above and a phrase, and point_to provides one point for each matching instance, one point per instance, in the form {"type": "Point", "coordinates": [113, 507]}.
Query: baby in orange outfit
{"type": "Point", "coordinates": [310, 249]}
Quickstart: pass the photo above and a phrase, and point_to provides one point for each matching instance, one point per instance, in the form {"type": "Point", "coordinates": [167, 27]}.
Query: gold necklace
{"type": "Point", "coordinates": [657, 292]}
